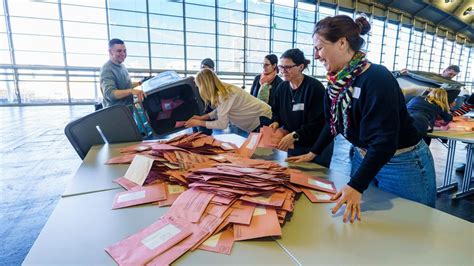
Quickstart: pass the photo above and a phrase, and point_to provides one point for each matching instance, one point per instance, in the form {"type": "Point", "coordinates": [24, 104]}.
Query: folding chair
{"type": "Point", "coordinates": [114, 124]}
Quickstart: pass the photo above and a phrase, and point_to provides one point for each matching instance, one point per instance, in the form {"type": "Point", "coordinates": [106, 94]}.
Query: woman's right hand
{"type": "Point", "coordinates": [274, 125]}
{"type": "Point", "coordinates": [301, 158]}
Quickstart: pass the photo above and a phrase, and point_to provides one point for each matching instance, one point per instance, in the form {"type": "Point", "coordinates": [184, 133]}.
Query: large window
{"type": "Point", "coordinates": [51, 51]}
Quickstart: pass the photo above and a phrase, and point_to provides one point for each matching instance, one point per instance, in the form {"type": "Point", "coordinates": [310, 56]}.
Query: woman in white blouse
{"type": "Point", "coordinates": [230, 103]}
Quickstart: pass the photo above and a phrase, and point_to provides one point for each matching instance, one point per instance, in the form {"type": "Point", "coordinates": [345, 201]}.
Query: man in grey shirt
{"type": "Point", "coordinates": [115, 82]}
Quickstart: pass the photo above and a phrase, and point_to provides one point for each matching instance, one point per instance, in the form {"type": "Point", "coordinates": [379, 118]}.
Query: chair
{"type": "Point", "coordinates": [114, 124]}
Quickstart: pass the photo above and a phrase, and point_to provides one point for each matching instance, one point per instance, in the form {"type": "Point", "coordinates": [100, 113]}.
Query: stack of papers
{"type": "Point", "coordinates": [213, 202]}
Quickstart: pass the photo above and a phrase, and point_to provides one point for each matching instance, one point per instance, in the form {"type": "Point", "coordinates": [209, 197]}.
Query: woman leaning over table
{"type": "Point", "coordinates": [230, 103]}
{"type": "Point", "coordinates": [364, 103]}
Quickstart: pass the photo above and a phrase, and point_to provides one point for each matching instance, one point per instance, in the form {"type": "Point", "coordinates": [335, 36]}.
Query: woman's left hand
{"type": "Point", "coordinates": [194, 123]}
{"type": "Point", "coordinates": [286, 142]}
{"type": "Point", "coordinates": [351, 197]}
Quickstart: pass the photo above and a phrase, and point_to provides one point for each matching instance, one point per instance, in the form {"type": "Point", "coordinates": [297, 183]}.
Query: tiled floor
{"type": "Point", "coordinates": [37, 161]}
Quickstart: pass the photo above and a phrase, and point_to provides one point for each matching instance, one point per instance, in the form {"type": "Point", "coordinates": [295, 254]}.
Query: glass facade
{"type": "Point", "coordinates": [52, 51]}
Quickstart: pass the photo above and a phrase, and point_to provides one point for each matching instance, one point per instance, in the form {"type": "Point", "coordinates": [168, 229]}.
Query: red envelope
{"type": "Point", "coordinates": [250, 145]}
{"type": "Point", "coordinates": [125, 183]}
{"type": "Point", "coordinates": [172, 193]}
{"type": "Point", "coordinates": [179, 124]}
{"type": "Point", "coordinates": [221, 242]}
{"type": "Point", "coordinates": [264, 223]}
{"type": "Point", "coordinates": [190, 205]}
{"type": "Point", "coordinates": [150, 242]}
{"type": "Point", "coordinates": [302, 179]}
{"type": "Point", "coordinates": [140, 195]}
{"type": "Point", "coordinates": [317, 196]}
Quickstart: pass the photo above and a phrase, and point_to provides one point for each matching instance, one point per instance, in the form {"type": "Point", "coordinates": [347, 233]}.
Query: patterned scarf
{"type": "Point", "coordinates": [340, 91]}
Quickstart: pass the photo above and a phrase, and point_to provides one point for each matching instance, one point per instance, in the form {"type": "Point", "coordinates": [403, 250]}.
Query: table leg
{"type": "Point", "coordinates": [448, 172]}
{"type": "Point", "coordinates": [466, 182]}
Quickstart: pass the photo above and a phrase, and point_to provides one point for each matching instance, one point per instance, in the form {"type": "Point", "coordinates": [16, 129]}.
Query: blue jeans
{"type": "Point", "coordinates": [323, 159]}
{"type": "Point", "coordinates": [410, 175]}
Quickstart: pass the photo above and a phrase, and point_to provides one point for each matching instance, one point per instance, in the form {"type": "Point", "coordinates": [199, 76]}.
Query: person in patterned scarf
{"type": "Point", "coordinates": [364, 103]}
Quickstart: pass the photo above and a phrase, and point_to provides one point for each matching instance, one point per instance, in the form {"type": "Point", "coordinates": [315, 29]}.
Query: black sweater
{"type": "Point", "coordinates": [300, 110]}
{"type": "Point", "coordinates": [256, 87]}
{"type": "Point", "coordinates": [379, 123]}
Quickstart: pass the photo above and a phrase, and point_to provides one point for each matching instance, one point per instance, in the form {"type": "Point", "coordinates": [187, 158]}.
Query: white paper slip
{"type": "Point", "coordinates": [139, 169]}
{"type": "Point", "coordinates": [213, 240]}
{"type": "Point", "coordinates": [253, 141]}
{"type": "Point", "coordinates": [227, 146]}
{"type": "Point", "coordinates": [319, 184]}
{"type": "Point", "coordinates": [321, 195]}
{"type": "Point", "coordinates": [131, 196]}
{"type": "Point", "coordinates": [161, 236]}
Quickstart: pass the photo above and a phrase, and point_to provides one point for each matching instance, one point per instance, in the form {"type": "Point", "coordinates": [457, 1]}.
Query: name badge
{"type": "Point", "coordinates": [356, 93]}
{"type": "Point", "coordinates": [298, 107]}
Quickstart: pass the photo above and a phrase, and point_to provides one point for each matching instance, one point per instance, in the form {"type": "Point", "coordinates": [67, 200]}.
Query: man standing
{"type": "Point", "coordinates": [115, 82]}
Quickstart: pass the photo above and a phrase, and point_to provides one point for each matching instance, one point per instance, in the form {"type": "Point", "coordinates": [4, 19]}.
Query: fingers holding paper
{"type": "Point", "coordinates": [351, 197]}
{"type": "Point", "coordinates": [286, 142]}
{"type": "Point", "coordinates": [301, 158]}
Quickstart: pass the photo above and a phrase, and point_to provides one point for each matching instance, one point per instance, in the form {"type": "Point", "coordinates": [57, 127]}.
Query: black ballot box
{"type": "Point", "coordinates": [415, 83]}
{"type": "Point", "coordinates": [169, 102]}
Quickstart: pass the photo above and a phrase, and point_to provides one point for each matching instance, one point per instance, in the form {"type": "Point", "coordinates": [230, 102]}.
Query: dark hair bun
{"type": "Point", "coordinates": [363, 25]}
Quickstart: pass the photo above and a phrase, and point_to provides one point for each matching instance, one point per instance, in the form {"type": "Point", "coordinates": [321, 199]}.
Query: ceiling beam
{"type": "Point", "coordinates": [421, 10]}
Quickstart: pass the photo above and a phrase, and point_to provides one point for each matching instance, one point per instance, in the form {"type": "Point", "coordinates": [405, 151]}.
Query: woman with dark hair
{"type": "Point", "coordinates": [298, 107]}
{"type": "Point", "coordinates": [364, 103]}
{"type": "Point", "coordinates": [264, 84]}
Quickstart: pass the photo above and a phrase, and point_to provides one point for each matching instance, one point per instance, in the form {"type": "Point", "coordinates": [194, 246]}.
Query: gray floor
{"type": "Point", "coordinates": [37, 161]}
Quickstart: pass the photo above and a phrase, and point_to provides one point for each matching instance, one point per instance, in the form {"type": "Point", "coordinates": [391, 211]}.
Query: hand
{"type": "Point", "coordinates": [286, 142]}
{"type": "Point", "coordinates": [301, 158]}
{"type": "Point", "coordinates": [194, 123]}
{"type": "Point", "coordinates": [274, 125]}
{"type": "Point", "coordinates": [199, 117]}
{"type": "Point", "coordinates": [351, 198]}
{"type": "Point", "coordinates": [139, 93]}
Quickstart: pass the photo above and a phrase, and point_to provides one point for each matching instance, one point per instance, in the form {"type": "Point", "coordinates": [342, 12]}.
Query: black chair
{"type": "Point", "coordinates": [114, 124]}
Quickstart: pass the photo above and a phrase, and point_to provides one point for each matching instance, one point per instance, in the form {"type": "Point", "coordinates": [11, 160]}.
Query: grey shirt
{"type": "Point", "coordinates": [114, 77]}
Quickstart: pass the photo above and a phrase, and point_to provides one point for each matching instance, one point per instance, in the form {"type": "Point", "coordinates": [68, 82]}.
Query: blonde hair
{"type": "Point", "coordinates": [211, 87]}
{"type": "Point", "coordinates": [439, 97]}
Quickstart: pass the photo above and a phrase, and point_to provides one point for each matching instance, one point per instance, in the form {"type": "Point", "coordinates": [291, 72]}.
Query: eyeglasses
{"type": "Point", "coordinates": [286, 68]}
{"type": "Point", "coordinates": [265, 65]}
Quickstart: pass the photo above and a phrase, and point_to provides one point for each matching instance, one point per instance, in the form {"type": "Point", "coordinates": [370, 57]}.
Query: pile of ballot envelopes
{"type": "Point", "coordinates": [217, 194]}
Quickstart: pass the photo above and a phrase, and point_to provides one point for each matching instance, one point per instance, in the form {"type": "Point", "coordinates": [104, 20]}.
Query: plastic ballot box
{"type": "Point", "coordinates": [170, 99]}
{"type": "Point", "coordinates": [415, 83]}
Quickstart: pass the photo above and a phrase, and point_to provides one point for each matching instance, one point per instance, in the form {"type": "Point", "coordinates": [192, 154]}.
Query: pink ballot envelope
{"type": "Point", "coordinates": [270, 138]}
{"type": "Point", "coordinates": [125, 183]}
{"type": "Point", "coordinates": [179, 124]}
{"type": "Point", "coordinates": [221, 242]}
{"type": "Point", "coordinates": [317, 196]}
{"type": "Point", "coordinates": [250, 145]}
{"type": "Point", "coordinates": [264, 223]}
{"type": "Point", "coordinates": [302, 179]}
{"type": "Point", "coordinates": [150, 242]}
{"type": "Point", "coordinates": [139, 195]}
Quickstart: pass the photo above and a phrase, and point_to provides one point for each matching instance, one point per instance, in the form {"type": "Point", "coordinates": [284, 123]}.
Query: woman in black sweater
{"type": "Point", "coordinates": [264, 84]}
{"type": "Point", "coordinates": [298, 107]}
{"type": "Point", "coordinates": [364, 102]}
